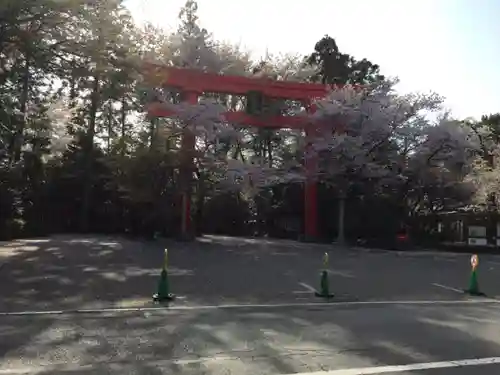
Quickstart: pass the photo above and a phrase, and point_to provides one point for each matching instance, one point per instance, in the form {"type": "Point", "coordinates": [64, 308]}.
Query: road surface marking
{"type": "Point", "coordinates": [352, 371]}
{"type": "Point", "coordinates": [341, 273]}
{"type": "Point", "coordinates": [412, 367]}
{"type": "Point", "coordinates": [309, 290]}
{"type": "Point", "coordinates": [308, 287]}
{"type": "Point", "coordinates": [76, 367]}
{"type": "Point", "coordinates": [448, 288]}
{"type": "Point", "coordinates": [253, 306]}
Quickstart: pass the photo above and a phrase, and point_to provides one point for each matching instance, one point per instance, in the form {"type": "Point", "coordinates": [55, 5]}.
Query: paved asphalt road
{"type": "Point", "coordinates": [390, 309]}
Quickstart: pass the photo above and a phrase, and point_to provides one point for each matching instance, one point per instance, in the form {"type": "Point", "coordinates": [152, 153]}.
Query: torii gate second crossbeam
{"type": "Point", "coordinates": [193, 83]}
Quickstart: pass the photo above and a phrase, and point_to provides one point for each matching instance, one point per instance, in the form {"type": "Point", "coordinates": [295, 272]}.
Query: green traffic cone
{"type": "Point", "coordinates": [324, 285]}
{"type": "Point", "coordinates": [163, 285]}
{"type": "Point", "coordinates": [474, 284]}
{"type": "Point", "coordinates": [473, 280]}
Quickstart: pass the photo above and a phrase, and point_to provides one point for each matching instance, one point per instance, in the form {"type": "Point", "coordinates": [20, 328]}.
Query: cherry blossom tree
{"type": "Point", "coordinates": [484, 172]}
{"type": "Point", "coordinates": [370, 134]}
{"type": "Point", "coordinates": [385, 139]}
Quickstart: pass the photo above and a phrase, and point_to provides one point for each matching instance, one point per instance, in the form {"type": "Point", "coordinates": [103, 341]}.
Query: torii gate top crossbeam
{"type": "Point", "coordinates": [190, 80]}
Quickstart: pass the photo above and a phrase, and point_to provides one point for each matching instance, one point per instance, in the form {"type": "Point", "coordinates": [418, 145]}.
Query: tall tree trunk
{"type": "Point", "coordinates": [88, 147]}
{"type": "Point", "coordinates": [341, 218]}
{"type": "Point", "coordinates": [200, 204]}
{"type": "Point", "coordinates": [18, 139]}
{"type": "Point", "coordinates": [72, 85]}
{"type": "Point", "coordinates": [123, 119]}
{"type": "Point", "coordinates": [73, 93]}
{"type": "Point", "coordinates": [269, 151]}
{"type": "Point", "coordinates": [152, 133]}
{"type": "Point", "coordinates": [109, 121]}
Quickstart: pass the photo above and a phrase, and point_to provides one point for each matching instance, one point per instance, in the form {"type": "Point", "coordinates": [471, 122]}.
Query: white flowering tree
{"type": "Point", "coordinates": [386, 139]}
{"type": "Point", "coordinates": [366, 134]}
{"type": "Point", "coordinates": [383, 139]}
{"type": "Point", "coordinates": [484, 174]}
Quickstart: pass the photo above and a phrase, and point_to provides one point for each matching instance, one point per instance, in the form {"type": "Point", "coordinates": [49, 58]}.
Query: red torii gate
{"type": "Point", "coordinates": [193, 83]}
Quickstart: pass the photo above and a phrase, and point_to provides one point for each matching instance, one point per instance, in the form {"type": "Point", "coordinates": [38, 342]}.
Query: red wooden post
{"type": "Point", "coordinates": [188, 143]}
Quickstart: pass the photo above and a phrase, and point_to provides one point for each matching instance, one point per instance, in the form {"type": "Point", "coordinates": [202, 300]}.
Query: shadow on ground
{"type": "Point", "coordinates": [249, 341]}
{"type": "Point", "coordinates": [68, 273]}
{"type": "Point", "coordinates": [75, 272]}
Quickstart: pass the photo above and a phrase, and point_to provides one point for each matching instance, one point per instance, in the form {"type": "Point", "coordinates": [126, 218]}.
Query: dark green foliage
{"type": "Point", "coordinates": [335, 67]}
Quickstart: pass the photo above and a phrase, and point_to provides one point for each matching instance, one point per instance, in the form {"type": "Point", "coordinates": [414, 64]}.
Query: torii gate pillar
{"type": "Point", "coordinates": [193, 83]}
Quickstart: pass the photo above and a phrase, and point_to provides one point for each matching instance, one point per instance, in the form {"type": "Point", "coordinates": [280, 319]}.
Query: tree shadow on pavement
{"type": "Point", "coordinates": [65, 273]}
{"type": "Point", "coordinates": [249, 341]}
{"type": "Point", "coordinates": [69, 273]}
